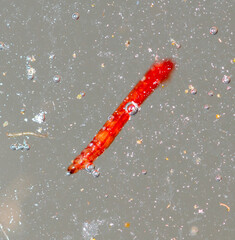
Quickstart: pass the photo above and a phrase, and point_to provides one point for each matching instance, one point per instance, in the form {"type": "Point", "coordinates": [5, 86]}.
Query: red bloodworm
{"type": "Point", "coordinates": [158, 73]}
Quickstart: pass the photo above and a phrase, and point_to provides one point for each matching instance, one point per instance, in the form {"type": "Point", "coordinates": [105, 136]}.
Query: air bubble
{"type": "Point", "coordinates": [75, 16]}
{"type": "Point", "coordinates": [57, 78]}
{"type": "Point", "coordinates": [95, 173]}
{"type": "Point", "coordinates": [213, 30]}
{"type": "Point", "coordinates": [131, 108]}
{"type": "Point", "coordinates": [90, 168]}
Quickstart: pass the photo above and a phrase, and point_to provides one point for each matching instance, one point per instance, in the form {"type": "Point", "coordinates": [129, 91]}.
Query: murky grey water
{"type": "Point", "coordinates": [186, 149]}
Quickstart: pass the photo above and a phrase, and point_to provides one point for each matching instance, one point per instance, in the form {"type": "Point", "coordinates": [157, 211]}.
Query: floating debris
{"type": "Point", "coordinates": [74, 55]}
{"type": "Point", "coordinates": [3, 46]}
{"type": "Point", "coordinates": [193, 91]}
{"type": "Point", "coordinates": [194, 231]}
{"type": "Point", "coordinates": [218, 178]}
{"type": "Point", "coordinates": [206, 107]}
{"type": "Point", "coordinates": [22, 111]}
{"type": "Point", "coordinates": [213, 30]}
{"type": "Point", "coordinates": [217, 116]}
{"type": "Point", "coordinates": [222, 204]}
{"type": "Point", "coordinates": [5, 124]}
{"type": "Point", "coordinates": [174, 43]}
{"type": "Point", "coordinates": [210, 93]}
{"type": "Point", "coordinates": [144, 171]}
{"type": "Point", "coordinates": [127, 43]}
{"type": "Point", "coordinates": [30, 59]}
{"type": "Point", "coordinates": [4, 233]}
{"type": "Point", "coordinates": [39, 118]}
{"type": "Point", "coordinates": [226, 79]}
{"type": "Point", "coordinates": [26, 134]}
{"type": "Point", "coordinates": [30, 72]}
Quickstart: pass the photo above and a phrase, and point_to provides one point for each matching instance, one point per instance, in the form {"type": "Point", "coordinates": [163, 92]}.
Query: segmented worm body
{"type": "Point", "coordinates": [158, 73]}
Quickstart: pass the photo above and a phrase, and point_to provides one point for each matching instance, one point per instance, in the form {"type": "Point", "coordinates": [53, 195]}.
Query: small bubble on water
{"type": "Point", "coordinates": [52, 56]}
{"type": "Point", "coordinates": [213, 30]}
{"type": "Point", "coordinates": [13, 147]}
{"type": "Point", "coordinates": [226, 79]}
{"type": "Point", "coordinates": [95, 173]}
{"type": "Point", "coordinates": [206, 107]}
{"type": "Point", "coordinates": [57, 78]}
{"type": "Point", "coordinates": [75, 16]}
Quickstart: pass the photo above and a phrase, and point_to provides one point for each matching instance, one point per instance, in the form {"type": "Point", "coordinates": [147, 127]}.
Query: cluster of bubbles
{"type": "Point", "coordinates": [19, 146]}
{"type": "Point", "coordinates": [91, 169]}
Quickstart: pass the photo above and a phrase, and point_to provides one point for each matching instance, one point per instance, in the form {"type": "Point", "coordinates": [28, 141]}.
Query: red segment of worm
{"type": "Point", "coordinates": [158, 73]}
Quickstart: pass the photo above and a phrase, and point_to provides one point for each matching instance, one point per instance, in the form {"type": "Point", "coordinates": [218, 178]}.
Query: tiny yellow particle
{"type": "Point", "coordinates": [217, 116]}
{"type": "Point", "coordinates": [102, 65]}
{"type": "Point", "coordinates": [4, 74]}
{"type": "Point", "coordinates": [93, 5]}
{"type": "Point", "coordinates": [186, 91]}
{"type": "Point", "coordinates": [185, 151]}
{"type": "Point", "coordinates": [234, 60]}
{"type": "Point", "coordinates": [139, 141]}
{"type": "Point", "coordinates": [127, 224]}
{"type": "Point", "coordinates": [218, 95]}
{"type": "Point", "coordinates": [167, 158]}
{"type": "Point", "coordinates": [163, 86]}
{"type": "Point", "coordinates": [74, 55]}
{"type": "Point", "coordinates": [112, 36]}
{"type": "Point", "coordinates": [79, 96]}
